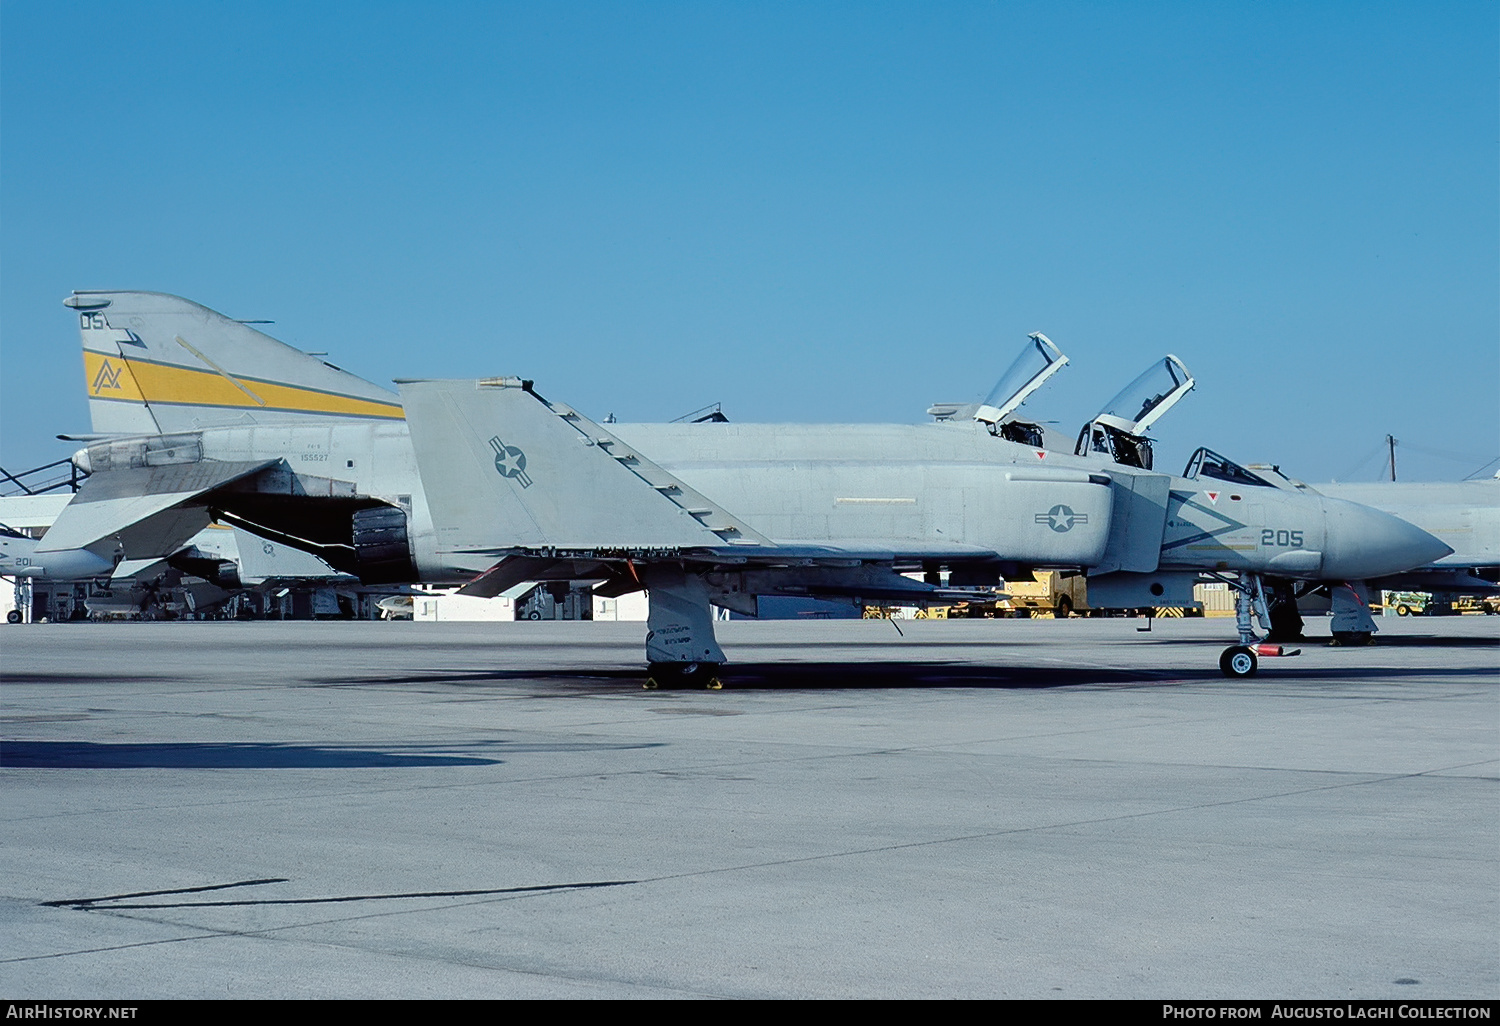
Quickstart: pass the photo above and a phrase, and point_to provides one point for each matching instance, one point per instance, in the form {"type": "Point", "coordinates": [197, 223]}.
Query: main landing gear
{"type": "Point", "coordinates": [683, 676]}
{"type": "Point", "coordinates": [680, 644]}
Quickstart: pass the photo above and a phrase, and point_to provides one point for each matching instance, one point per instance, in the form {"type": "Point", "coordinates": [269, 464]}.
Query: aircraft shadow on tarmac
{"type": "Point", "coordinates": [825, 676]}
{"type": "Point", "coordinates": [1436, 641]}
{"type": "Point", "coordinates": [1384, 641]}
{"type": "Point", "coordinates": [251, 755]}
{"type": "Point", "coordinates": [841, 676]}
{"type": "Point", "coordinates": [835, 676]}
{"type": "Point", "coordinates": [819, 676]}
{"type": "Point", "coordinates": [37, 677]}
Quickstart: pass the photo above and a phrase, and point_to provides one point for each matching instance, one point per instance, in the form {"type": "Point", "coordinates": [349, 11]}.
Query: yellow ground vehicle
{"type": "Point", "coordinates": [1420, 603]}
{"type": "Point", "coordinates": [1048, 592]}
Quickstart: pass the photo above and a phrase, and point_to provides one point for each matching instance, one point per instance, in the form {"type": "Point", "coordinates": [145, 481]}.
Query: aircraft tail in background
{"type": "Point", "coordinates": [155, 364]}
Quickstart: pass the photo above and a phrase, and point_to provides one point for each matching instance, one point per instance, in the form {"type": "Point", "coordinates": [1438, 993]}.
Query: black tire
{"type": "Point", "coordinates": [14, 616]}
{"type": "Point", "coordinates": [533, 615]}
{"type": "Point", "coordinates": [1238, 662]}
{"type": "Point", "coordinates": [1403, 610]}
{"type": "Point", "coordinates": [1064, 607]}
{"type": "Point", "coordinates": [1351, 638]}
{"type": "Point", "coordinates": [678, 676]}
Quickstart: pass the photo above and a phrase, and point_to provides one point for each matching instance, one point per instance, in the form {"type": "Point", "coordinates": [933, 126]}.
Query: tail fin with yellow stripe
{"type": "Point", "coordinates": [155, 363]}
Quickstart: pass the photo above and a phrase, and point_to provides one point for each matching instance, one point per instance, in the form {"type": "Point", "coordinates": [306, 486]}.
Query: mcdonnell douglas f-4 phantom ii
{"type": "Point", "coordinates": [199, 417]}
{"type": "Point", "coordinates": [717, 514]}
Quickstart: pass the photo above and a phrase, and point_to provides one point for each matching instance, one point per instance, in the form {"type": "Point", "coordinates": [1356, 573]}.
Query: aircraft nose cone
{"type": "Point", "coordinates": [1362, 543]}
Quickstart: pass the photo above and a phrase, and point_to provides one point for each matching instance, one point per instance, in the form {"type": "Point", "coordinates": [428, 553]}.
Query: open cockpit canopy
{"type": "Point", "coordinates": [1038, 360]}
{"type": "Point", "coordinates": [1118, 431]}
{"type": "Point", "coordinates": [1143, 402]}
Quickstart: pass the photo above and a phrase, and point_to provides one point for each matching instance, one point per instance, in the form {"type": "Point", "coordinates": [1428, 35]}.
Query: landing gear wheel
{"type": "Point", "coordinates": [682, 676]}
{"type": "Point", "coordinates": [1238, 661]}
{"type": "Point", "coordinates": [1064, 607]}
{"type": "Point", "coordinates": [1351, 638]}
{"type": "Point", "coordinates": [14, 616]}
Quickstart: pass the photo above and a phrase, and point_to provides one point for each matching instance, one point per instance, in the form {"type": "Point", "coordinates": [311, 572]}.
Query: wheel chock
{"type": "Point", "coordinates": [1275, 650]}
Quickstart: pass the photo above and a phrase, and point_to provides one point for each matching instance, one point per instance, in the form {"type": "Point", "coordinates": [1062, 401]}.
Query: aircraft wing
{"type": "Point", "coordinates": [871, 577]}
{"type": "Point", "coordinates": [142, 505]}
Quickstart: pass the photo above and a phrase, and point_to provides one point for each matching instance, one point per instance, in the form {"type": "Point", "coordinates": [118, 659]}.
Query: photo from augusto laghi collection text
{"type": "Point", "coordinates": [1328, 1010]}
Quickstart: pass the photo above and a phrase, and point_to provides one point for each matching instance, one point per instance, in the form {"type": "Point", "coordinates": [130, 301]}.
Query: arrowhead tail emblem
{"type": "Point", "coordinates": [108, 377]}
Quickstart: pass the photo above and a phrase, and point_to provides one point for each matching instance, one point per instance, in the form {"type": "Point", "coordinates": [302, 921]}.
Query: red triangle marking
{"type": "Point", "coordinates": [1040, 454]}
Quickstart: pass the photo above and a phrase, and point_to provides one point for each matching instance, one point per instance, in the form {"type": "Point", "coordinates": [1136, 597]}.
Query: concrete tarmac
{"type": "Point", "coordinates": [1030, 809]}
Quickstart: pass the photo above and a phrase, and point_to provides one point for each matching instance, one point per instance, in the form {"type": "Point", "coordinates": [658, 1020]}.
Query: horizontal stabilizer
{"type": "Point", "coordinates": [261, 560]}
{"type": "Point", "coordinates": [503, 469]}
{"type": "Point", "coordinates": [112, 501]}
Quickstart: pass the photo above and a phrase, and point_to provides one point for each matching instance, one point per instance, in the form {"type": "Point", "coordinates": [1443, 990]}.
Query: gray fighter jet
{"type": "Point", "coordinates": [1464, 515]}
{"type": "Point", "coordinates": [718, 514]}
{"type": "Point", "coordinates": [19, 558]}
{"type": "Point", "coordinates": [200, 418]}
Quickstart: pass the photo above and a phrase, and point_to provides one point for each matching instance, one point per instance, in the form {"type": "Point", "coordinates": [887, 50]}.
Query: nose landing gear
{"type": "Point", "coordinates": [1239, 661]}
{"type": "Point", "coordinates": [1243, 660]}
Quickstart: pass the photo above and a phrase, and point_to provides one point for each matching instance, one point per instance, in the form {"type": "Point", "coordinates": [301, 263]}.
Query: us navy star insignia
{"type": "Point", "coordinates": [510, 461]}
{"type": "Point", "coordinates": [1061, 518]}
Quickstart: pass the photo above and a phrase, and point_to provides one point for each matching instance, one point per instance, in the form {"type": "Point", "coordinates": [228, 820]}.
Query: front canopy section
{"type": "Point", "coordinates": [1119, 430]}
{"type": "Point", "coordinates": [1038, 360]}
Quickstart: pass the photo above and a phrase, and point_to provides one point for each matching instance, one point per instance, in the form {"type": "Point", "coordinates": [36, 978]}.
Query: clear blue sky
{"type": "Point", "coordinates": [809, 211]}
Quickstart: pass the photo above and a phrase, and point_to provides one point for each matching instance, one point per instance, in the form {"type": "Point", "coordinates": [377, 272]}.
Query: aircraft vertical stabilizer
{"type": "Point", "coordinates": [504, 468]}
{"type": "Point", "coordinates": [155, 363]}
